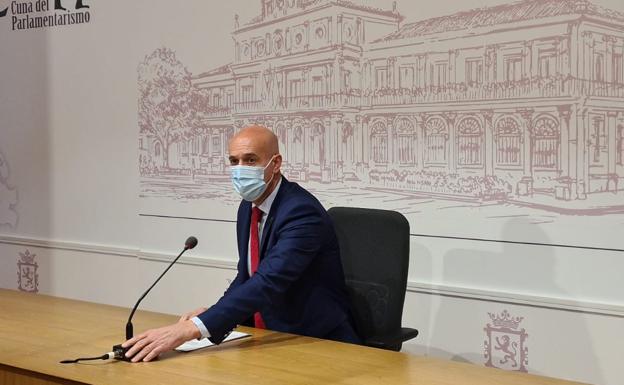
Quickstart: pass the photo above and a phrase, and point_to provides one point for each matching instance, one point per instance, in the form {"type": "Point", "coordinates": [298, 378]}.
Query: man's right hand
{"type": "Point", "coordinates": [191, 314]}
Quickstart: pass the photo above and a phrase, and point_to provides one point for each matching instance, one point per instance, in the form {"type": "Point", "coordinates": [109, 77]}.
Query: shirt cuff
{"type": "Point", "coordinates": [202, 328]}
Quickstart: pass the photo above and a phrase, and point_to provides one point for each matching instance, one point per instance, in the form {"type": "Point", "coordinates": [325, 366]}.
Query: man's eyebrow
{"type": "Point", "coordinates": [246, 155]}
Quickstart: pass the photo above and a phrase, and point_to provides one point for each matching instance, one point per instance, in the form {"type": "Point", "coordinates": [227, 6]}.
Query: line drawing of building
{"type": "Point", "coordinates": [520, 102]}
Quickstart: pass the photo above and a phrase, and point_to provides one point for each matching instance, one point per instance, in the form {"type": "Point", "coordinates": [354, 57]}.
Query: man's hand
{"type": "Point", "coordinates": [150, 344]}
{"type": "Point", "coordinates": [191, 314]}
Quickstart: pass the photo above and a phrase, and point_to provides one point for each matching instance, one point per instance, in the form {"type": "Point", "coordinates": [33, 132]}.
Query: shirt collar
{"type": "Point", "coordinates": [265, 206]}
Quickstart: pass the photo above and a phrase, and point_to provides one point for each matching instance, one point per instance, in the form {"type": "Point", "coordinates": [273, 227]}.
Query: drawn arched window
{"type": "Point", "coordinates": [545, 152]}
{"type": "Point", "coordinates": [298, 134]}
{"type": "Point", "coordinates": [216, 145]}
{"type": "Point", "coordinates": [296, 149]}
{"type": "Point", "coordinates": [508, 142]}
{"type": "Point", "coordinates": [348, 155]}
{"type": "Point", "coordinates": [282, 137]}
{"type": "Point", "coordinates": [317, 143]}
{"type": "Point", "coordinates": [406, 141]}
{"type": "Point", "coordinates": [469, 142]}
{"type": "Point", "coordinates": [195, 143]}
{"type": "Point", "coordinates": [436, 138]}
{"type": "Point", "coordinates": [379, 142]}
{"type": "Point", "coordinates": [205, 145]}
{"type": "Point", "coordinates": [157, 149]}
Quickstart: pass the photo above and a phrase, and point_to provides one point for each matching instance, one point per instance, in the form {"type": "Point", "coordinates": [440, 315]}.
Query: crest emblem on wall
{"type": "Point", "coordinates": [27, 276]}
{"type": "Point", "coordinates": [505, 346]}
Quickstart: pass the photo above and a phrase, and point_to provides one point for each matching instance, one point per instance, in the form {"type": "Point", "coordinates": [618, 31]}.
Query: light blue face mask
{"type": "Point", "coordinates": [249, 181]}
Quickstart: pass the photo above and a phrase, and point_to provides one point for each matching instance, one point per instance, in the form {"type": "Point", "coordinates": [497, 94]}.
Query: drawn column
{"type": "Point", "coordinates": [488, 54]}
{"type": "Point", "coordinates": [336, 135]}
{"type": "Point", "coordinates": [450, 119]}
{"type": "Point", "coordinates": [365, 83]}
{"type": "Point", "coordinates": [564, 118]}
{"type": "Point", "coordinates": [237, 96]}
{"type": "Point", "coordinates": [394, 67]}
{"type": "Point", "coordinates": [452, 75]}
{"type": "Point", "coordinates": [612, 177]}
{"type": "Point", "coordinates": [392, 147]}
{"type": "Point", "coordinates": [588, 54]}
{"type": "Point", "coordinates": [306, 26]}
{"type": "Point", "coordinates": [489, 142]}
{"type": "Point", "coordinates": [365, 146]}
{"type": "Point", "coordinates": [582, 154]}
{"type": "Point", "coordinates": [573, 50]}
{"type": "Point", "coordinates": [306, 92]}
{"type": "Point", "coordinates": [533, 51]}
{"type": "Point", "coordinates": [525, 185]}
{"type": "Point", "coordinates": [327, 160]}
{"type": "Point", "coordinates": [609, 46]}
{"type": "Point", "coordinates": [527, 55]}
{"type": "Point", "coordinates": [357, 143]}
{"type": "Point", "coordinates": [289, 141]}
{"type": "Point", "coordinates": [572, 153]}
{"type": "Point", "coordinates": [420, 141]}
{"type": "Point", "coordinates": [339, 29]}
{"type": "Point", "coordinates": [257, 103]}
{"type": "Point", "coordinates": [563, 65]}
{"type": "Point", "coordinates": [338, 61]}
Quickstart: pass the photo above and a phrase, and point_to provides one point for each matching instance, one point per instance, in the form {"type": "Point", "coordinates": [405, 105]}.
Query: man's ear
{"type": "Point", "coordinates": [278, 163]}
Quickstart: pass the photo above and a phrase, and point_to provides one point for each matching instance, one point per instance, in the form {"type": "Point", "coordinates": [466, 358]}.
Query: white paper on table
{"type": "Point", "coordinates": [191, 345]}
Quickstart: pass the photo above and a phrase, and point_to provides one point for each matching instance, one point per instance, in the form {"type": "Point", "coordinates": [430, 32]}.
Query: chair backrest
{"type": "Point", "coordinates": [374, 247]}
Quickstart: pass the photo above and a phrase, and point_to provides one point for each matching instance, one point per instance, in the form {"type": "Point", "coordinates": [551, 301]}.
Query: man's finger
{"type": "Point", "coordinates": [153, 354]}
{"type": "Point", "coordinates": [138, 346]}
{"type": "Point", "coordinates": [144, 352]}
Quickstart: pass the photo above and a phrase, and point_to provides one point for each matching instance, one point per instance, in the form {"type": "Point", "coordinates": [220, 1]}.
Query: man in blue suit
{"type": "Point", "coordinates": [290, 277]}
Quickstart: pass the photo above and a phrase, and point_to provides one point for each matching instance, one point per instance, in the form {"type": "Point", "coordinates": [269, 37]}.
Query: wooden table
{"type": "Point", "coordinates": [38, 331]}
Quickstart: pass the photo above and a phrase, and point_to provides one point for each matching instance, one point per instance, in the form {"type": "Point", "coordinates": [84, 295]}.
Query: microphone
{"type": "Point", "coordinates": [118, 350]}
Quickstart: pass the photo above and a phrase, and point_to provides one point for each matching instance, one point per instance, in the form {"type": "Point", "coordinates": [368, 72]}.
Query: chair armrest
{"type": "Point", "coordinates": [391, 341]}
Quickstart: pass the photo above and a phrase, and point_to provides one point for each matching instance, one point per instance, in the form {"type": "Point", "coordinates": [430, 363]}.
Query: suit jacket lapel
{"type": "Point", "coordinates": [266, 231]}
{"type": "Point", "coordinates": [271, 216]}
{"type": "Point", "coordinates": [243, 238]}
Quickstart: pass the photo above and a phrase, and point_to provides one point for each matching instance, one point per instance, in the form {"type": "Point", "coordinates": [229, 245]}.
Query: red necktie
{"type": "Point", "coordinates": [254, 244]}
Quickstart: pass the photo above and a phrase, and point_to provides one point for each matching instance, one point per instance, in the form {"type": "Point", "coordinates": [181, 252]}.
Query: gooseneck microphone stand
{"type": "Point", "coordinates": [118, 350]}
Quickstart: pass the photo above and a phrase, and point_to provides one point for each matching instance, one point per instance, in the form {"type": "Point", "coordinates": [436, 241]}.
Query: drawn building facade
{"type": "Point", "coordinates": [516, 99]}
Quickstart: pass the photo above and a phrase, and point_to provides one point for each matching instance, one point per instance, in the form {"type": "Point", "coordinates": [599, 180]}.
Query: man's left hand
{"type": "Point", "coordinates": [148, 345]}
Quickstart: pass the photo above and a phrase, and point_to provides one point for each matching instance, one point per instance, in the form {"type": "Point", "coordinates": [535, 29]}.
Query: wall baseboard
{"type": "Point", "coordinates": [514, 298]}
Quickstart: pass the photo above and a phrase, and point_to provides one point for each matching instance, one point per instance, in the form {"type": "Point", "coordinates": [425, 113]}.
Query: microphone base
{"type": "Point", "coordinates": [120, 353]}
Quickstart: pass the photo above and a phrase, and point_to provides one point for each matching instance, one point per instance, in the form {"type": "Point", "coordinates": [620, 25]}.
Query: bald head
{"type": "Point", "coordinates": [263, 139]}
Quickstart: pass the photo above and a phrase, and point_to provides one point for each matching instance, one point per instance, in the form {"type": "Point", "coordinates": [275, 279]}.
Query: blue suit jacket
{"type": "Point", "coordinates": [299, 286]}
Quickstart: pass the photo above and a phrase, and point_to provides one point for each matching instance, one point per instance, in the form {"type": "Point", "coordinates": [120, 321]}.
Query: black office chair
{"type": "Point", "coordinates": [374, 247]}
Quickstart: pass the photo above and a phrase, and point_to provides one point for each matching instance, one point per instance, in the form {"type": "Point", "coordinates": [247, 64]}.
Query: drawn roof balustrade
{"type": "Point", "coordinates": [308, 4]}
{"type": "Point", "coordinates": [501, 14]}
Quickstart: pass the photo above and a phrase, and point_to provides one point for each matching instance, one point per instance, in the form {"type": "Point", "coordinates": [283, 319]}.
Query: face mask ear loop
{"type": "Point", "coordinates": [265, 167]}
